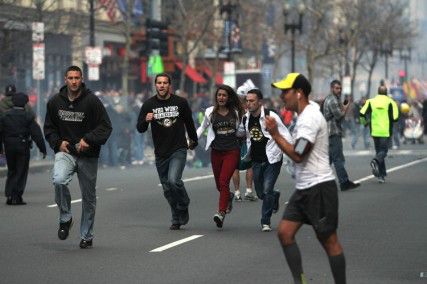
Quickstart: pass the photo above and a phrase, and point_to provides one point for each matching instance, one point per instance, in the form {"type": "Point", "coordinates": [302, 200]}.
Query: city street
{"type": "Point", "coordinates": [382, 229]}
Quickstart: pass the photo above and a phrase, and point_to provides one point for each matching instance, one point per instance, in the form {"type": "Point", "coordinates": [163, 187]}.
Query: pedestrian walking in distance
{"type": "Point", "coordinates": [334, 112]}
{"type": "Point", "coordinates": [76, 126]}
{"type": "Point", "coordinates": [380, 112]}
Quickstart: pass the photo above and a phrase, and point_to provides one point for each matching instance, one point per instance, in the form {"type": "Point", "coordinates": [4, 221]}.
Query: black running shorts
{"type": "Point", "coordinates": [316, 206]}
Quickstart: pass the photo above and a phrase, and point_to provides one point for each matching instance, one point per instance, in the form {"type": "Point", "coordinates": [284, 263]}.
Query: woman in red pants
{"type": "Point", "coordinates": [222, 121]}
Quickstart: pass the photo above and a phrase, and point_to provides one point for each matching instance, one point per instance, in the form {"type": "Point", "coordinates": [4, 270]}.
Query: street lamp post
{"type": "Point", "coordinates": [293, 26]}
{"type": "Point", "coordinates": [386, 51]}
{"type": "Point", "coordinates": [405, 55]}
{"type": "Point", "coordinates": [228, 9]}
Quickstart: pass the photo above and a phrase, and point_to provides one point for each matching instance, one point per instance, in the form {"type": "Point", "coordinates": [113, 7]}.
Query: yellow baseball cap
{"type": "Point", "coordinates": [288, 82]}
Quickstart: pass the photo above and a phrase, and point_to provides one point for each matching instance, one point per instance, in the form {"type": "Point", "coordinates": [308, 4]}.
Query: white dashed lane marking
{"type": "Point", "coordinates": [177, 243]}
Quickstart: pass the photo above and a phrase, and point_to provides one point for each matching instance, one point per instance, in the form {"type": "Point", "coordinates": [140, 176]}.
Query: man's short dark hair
{"type": "Point", "coordinates": [301, 82]}
{"type": "Point", "coordinates": [73, 68]}
{"type": "Point", "coordinates": [382, 90]}
{"type": "Point", "coordinates": [257, 92]}
{"type": "Point", "coordinates": [164, 74]}
{"type": "Point", "coordinates": [335, 82]}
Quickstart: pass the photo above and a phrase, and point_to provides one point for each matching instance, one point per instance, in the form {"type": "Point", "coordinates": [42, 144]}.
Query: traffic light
{"type": "Point", "coordinates": [156, 36]}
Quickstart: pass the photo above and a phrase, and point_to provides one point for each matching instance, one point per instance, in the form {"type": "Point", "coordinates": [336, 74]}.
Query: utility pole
{"type": "Point", "coordinates": [92, 23]}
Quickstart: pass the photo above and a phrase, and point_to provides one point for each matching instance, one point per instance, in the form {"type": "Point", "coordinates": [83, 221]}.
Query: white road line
{"type": "Point", "coordinates": [177, 243]}
{"type": "Point", "coordinates": [395, 169]}
{"type": "Point", "coordinates": [193, 179]}
{"type": "Point", "coordinates": [111, 189]}
{"type": "Point", "coordinates": [72, 201]}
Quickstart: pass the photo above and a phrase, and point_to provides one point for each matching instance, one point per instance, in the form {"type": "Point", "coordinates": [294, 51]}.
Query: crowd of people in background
{"type": "Point", "coordinates": [126, 147]}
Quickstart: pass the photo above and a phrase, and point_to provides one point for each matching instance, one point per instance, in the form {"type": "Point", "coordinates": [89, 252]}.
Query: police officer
{"type": "Point", "coordinates": [6, 103]}
{"type": "Point", "coordinates": [17, 129]}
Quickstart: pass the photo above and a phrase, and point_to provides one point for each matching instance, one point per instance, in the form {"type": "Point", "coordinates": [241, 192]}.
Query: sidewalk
{"type": "Point", "coordinates": [36, 166]}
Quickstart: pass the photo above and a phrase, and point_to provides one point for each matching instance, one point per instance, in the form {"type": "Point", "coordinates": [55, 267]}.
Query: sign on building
{"type": "Point", "coordinates": [38, 61]}
{"type": "Point", "coordinates": [38, 31]}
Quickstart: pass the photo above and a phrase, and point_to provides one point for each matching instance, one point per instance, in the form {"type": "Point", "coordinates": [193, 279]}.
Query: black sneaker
{"type": "Point", "coordinates": [9, 200]}
{"type": "Point", "coordinates": [174, 227]}
{"type": "Point", "coordinates": [349, 185]}
{"type": "Point", "coordinates": [184, 217]}
{"type": "Point", "coordinates": [375, 168]}
{"type": "Point", "coordinates": [84, 244]}
{"type": "Point", "coordinates": [276, 201]}
{"type": "Point", "coordinates": [230, 203]}
{"type": "Point", "coordinates": [20, 201]}
{"type": "Point", "coordinates": [64, 229]}
{"type": "Point", "coordinates": [219, 219]}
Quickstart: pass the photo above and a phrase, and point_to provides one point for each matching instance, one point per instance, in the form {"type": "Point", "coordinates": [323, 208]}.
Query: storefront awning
{"type": "Point", "coordinates": [218, 78]}
{"type": "Point", "coordinates": [192, 74]}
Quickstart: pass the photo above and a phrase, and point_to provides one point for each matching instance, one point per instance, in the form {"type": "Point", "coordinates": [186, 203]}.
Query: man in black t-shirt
{"type": "Point", "coordinates": [266, 156]}
{"type": "Point", "coordinates": [170, 117]}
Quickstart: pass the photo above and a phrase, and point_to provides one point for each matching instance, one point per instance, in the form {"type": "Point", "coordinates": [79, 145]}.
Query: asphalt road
{"type": "Point", "coordinates": [383, 230]}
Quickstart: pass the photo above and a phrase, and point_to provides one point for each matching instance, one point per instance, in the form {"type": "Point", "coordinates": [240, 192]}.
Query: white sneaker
{"type": "Point", "coordinates": [250, 196]}
{"type": "Point", "coordinates": [266, 228]}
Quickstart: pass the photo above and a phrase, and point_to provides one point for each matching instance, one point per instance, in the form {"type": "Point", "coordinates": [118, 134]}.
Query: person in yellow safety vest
{"type": "Point", "coordinates": [380, 112]}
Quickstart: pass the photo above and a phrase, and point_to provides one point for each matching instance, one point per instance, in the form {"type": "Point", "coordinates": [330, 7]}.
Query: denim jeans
{"type": "Point", "coordinates": [381, 149]}
{"type": "Point", "coordinates": [265, 176]}
{"type": "Point", "coordinates": [138, 146]}
{"type": "Point", "coordinates": [170, 173]}
{"type": "Point", "coordinates": [336, 157]}
{"type": "Point", "coordinates": [86, 168]}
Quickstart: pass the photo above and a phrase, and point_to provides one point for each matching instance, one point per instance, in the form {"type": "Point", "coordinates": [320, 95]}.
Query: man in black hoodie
{"type": "Point", "coordinates": [170, 116]}
{"type": "Point", "coordinates": [76, 126]}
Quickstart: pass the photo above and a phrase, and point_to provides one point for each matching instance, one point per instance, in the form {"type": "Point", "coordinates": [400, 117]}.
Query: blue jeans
{"type": "Point", "coordinates": [336, 157]}
{"type": "Point", "coordinates": [137, 146]}
{"type": "Point", "coordinates": [86, 168]}
{"type": "Point", "coordinates": [381, 149]}
{"type": "Point", "coordinates": [170, 173]}
{"type": "Point", "coordinates": [265, 176]}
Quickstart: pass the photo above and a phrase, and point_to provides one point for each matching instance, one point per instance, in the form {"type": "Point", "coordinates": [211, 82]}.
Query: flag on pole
{"type": "Point", "coordinates": [111, 7]}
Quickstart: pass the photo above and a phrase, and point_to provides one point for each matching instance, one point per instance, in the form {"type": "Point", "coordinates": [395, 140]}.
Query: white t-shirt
{"type": "Point", "coordinates": [315, 168]}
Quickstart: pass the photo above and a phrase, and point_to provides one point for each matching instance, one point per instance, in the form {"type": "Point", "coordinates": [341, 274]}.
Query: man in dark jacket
{"type": "Point", "coordinates": [76, 126]}
{"type": "Point", "coordinates": [17, 129]}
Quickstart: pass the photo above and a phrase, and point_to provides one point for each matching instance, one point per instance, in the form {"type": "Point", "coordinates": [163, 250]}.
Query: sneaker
{"type": "Point", "coordinates": [349, 185]}
{"type": "Point", "coordinates": [174, 227]}
{"type": "Point", "coordinates": [9, 200]}
{"type": "Point", "coordinates": [19, 201]}
{"type": "Point", "coordinates": [184, 217]}
{"type": "Point", "coordinates": [276, 201]}
{"type": "Point", "coordinates": [381, 180]}
{"type": "Point", "coordinates": [238, 198]}
{"type": "Point", "coordinates": [219, 219]}
{"type": "Point", "coordinates": [266, 228]}
{"type": "Point", "coordinates": [375, 168]}
{"type": "Point", "coordinates": [84, 244]}
{"type": "Point", "coordinates": [230, 203]}
{"type": "Point", "coordinates": [250, 196]}
{"type": "Point", "coordinates": [64, 229]}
